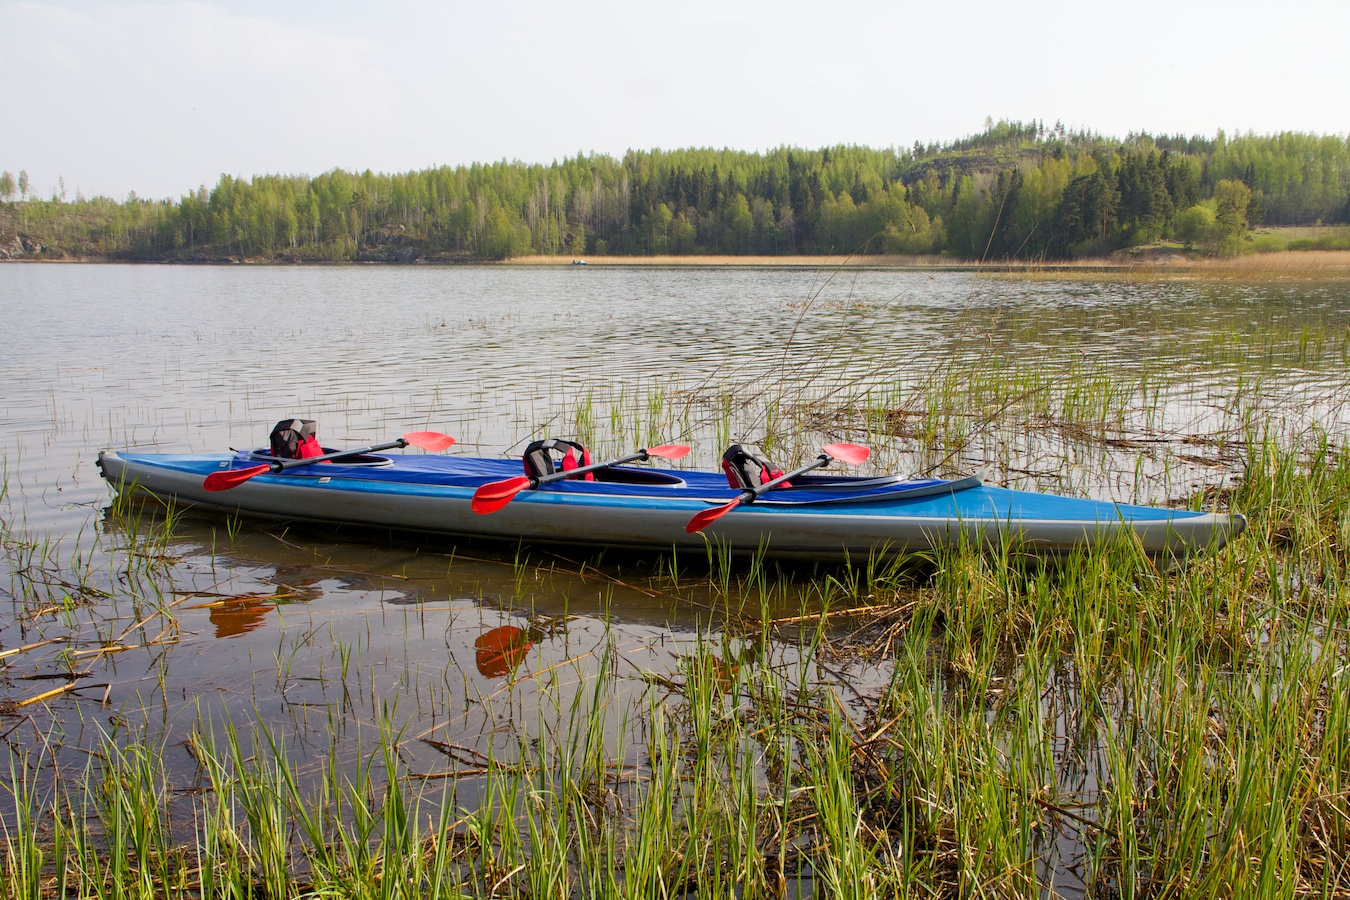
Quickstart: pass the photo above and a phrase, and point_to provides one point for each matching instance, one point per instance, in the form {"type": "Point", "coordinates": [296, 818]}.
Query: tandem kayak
{"type": "Point", "coordinates": [817, 517]}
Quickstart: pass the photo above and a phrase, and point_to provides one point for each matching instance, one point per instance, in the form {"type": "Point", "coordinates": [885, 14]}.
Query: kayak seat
{"type": "Point", "coordinates": [555, 455]}
{"type": "Point", "coordinates": [296, 439]}
{"type": "Point", "coordinates": [746, 470]}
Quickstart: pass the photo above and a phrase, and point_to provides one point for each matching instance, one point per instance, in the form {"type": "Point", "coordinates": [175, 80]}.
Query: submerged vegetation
{"type": "Point", "coordinates": [970, 723]}
{"type": "Point", "coordinates": [1017, 191]}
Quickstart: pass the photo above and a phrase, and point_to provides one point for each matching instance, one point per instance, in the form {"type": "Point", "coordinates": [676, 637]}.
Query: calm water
{"type": "Point", "coordinates": [282, 627]}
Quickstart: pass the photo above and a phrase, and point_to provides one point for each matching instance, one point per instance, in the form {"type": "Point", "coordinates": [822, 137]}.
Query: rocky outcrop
{"type": "Point", "coordinates": [18, 246]}
{"type": "Point", "coordinates": [392, 244]}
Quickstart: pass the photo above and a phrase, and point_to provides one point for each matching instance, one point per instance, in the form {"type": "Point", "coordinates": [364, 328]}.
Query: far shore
{"type": "Point", "coordinates": [1285, 264]}
{"type": "Point", "coordinates": [1307, 265]}
{"type": "Point", "coordinates": [873, 261]}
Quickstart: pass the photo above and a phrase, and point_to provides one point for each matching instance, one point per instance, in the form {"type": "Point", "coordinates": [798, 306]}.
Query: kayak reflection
{"type": "Point", "coordinates": [242, 613]}
{"type": "Point", "coordinates": [499, 651]}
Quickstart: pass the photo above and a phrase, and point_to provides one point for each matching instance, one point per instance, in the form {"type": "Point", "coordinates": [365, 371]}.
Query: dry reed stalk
{"type": "Point", "coordinates": [14, 651]}
{"type": "Point", "coordinates": [829, 614]}
{"type": "Point", "coordinates": [48, 695]}
{"type": "Point", "coordinates": [242, 600]}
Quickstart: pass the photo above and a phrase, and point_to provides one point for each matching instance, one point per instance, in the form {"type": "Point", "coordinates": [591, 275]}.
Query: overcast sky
{"type": "Point", "coordinates": [159, 98]}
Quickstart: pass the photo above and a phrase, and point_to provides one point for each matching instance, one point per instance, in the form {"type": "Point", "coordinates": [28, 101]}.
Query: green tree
{"type": "Point", "coordinates": [661, 219]}
{"type": "Point", "coordinates": [1012, 228]}
{"type": "Point", "coordinates": [23, 183]}
{"type": "Point", "coordinates": [6, 186]}
{"type": "Point", "coordinates": [1195, 226]}
{"type": "Point", "coordinates": [1086, 223]}
{"type": "Point", "coordinates": [683, 235]}
{"type": "Point", "coordinates": [740, 224]}
{"type": "Point", "coordinates": [290, 230]}
{"type": "Point", "coordinates": [1231, 199]}
{"type": "Point", "coordinates": [1182, 174]}
{"type": "Point", "coordinates": [1145, 204]}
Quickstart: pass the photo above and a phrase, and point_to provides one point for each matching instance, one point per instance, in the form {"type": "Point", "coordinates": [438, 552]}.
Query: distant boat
{"type": "Point", "coordinates": [578, 262]}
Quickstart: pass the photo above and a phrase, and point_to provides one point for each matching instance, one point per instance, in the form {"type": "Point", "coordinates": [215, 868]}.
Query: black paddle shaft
{"type": "Point", "coordinates": [536, 480]}
{"type": "Point", "coordinates": [281, 465]}
{"type": "Point", "coordinates": [753, 494]}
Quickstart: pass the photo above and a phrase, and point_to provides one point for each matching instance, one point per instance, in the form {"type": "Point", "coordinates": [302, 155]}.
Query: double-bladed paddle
{"type": "Point", "coordinates": [853, 454]}
{"type": "Point", "coordinates": [493, 496]}
{"type": "Point", "coordinates": [228, 478]}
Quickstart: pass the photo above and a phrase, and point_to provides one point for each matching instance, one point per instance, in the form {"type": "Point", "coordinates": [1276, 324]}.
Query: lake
{"type": "Point", "coordinates": [1130, 389]}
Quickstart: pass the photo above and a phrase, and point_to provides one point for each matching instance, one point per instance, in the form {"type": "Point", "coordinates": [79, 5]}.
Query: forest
{"type": "Point", "coordinates": [1017, 191]}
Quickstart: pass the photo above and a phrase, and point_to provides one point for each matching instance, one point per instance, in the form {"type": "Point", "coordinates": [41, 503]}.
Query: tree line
{"type": "Point", "coordinates": [1016, 191]}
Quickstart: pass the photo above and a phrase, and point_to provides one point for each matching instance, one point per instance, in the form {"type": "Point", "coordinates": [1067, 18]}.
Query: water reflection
{"type": "Point", "coordinates": [240, 615]}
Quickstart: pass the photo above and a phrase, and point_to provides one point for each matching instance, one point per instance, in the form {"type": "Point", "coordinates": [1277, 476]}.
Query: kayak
{"type": "Point", "coordinates": [814, 516]}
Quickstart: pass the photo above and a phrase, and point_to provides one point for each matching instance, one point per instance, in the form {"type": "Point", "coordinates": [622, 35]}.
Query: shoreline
{"type": "Point", "coordinates": [1285, 260]}
{"type": "Point", "coordinates": [1281, 265]}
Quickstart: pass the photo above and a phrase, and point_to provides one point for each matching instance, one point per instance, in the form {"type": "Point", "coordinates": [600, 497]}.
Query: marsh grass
{"type": "Point", "coordinates": [1184, 729]}
{"type": "Point", "coordinates": [1269, 262]}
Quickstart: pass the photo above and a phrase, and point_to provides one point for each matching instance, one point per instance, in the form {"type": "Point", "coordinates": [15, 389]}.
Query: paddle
{"type": "Point", "coordinates": [853, 454]}
{"type": "Point", "coordinates": [493, 496]}
{"type": "Point", "coordinates": [224, 480]}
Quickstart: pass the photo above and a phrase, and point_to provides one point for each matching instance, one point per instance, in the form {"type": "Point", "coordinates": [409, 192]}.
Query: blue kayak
{"type": "Point", "coordinates": [817, 517]}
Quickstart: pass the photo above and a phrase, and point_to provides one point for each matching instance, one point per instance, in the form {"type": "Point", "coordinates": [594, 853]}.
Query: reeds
{"type": "Point", "coordinates": [1179, 730]}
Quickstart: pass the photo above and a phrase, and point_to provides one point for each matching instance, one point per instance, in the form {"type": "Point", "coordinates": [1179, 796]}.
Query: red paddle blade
{"type": "Point", "coordinates": [429, 440]}
{"type": "Point", "coordinates": [669, 451]}
{"type": "Point", "coordinates": [223, 481]}
{"type": "Point", "coordinates": [492, 497]}
{"type": "Point", "coordinates": [702, 520]}
{"type": "Point", "coordinates": [853, 454]}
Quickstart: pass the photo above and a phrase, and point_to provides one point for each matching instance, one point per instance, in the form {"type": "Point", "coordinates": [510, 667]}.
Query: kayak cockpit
{"type": "Point", "coordinates": [367, 460]}
{"type": "Point", "coordinates": [633, 475]}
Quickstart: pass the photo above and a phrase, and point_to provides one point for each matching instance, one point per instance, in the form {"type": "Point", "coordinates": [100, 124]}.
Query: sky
{"type": "Point", "coordinates": [158, 98]}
